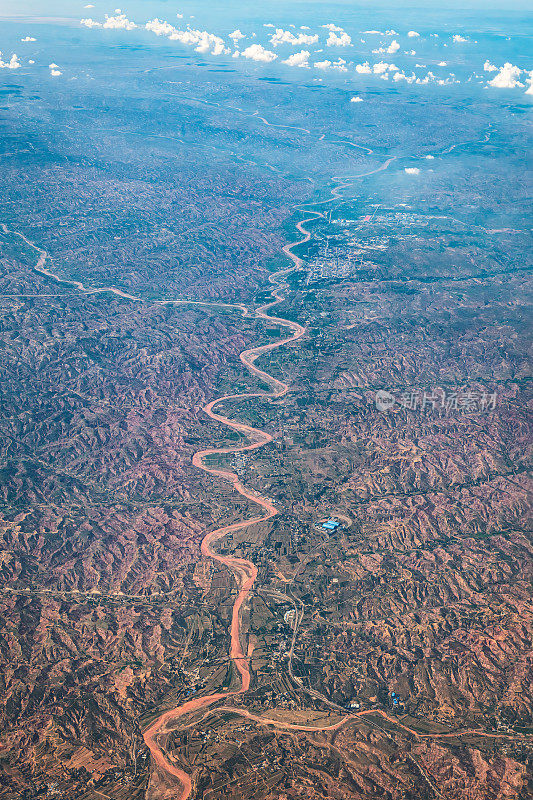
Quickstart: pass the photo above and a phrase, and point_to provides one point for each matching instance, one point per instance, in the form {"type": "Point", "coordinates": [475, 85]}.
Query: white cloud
{"type": "Point", "coordinates": [219, 48]}
{"type": "Point", "coordinates": [205, 42]}
{"type": "Point", "coordinates": [286, 37]}
{"type": "Point", "coordinates": [529, 80]}
{"type": "Point", "coordinates": [340, 40]}
{"type": "Point", "coordinates": [458, 38]}
{"type": "Point", "coordinates": [268, 25]}
{"type": "Point", "coordinates": [429, 158]}
{"type": "Point", "coordinates": [412, 170]}
{"type": "Point", "coordinates": [410, 52]}
{"type": "Point", "coordinates": [392, 48]}
{"type": "Point", "coordinates": [412, 34]}
{"type": "Point", "coordinates": [159, 27]}
{"type": "Point", "coordinates": [306, 39]}
{"type": "Point", "coordinates": [119, 22]}
{"type": "Point", "coordinates": [28, 39]}
{"type": "Point", "coordinates": [55, 72]}
{"type": "Point", "coordinates": [331, 27]}
{"type": "Point", "coordinates": [442, 64]}
{"type": "Point", "coordinates": [236, 35]}
{"type": "Point", "coordinates": [401, 76]}
{"type": "Point", "coordinates": [90, 5]}
{"type": "Point", "coordinates": [300, 59]}
{"type": "Point", "coordinates": [391, 33]}
{"type": "Point", "coordinates": [53, 66]}
{"type": "Point", "coordinates": [507, 77]}
{"type": "Point", "coordinates": [90, 23]}
{"type": "Point", "coordinates": [488, 67]}
{"type": "Point", "coordinates": [31, 61]}
{"type": "Point", "coordinates": [256, 52]}
{"type": "Point", "coordinates": [356, 100]}
{"type": "Point", "coordinates": [13, 62]}
{"type": "Point", "coordinates": [363, 69]}
{"type": "Point", "coordinates": [339, 65]}
{"type": "Point", "coordinates": [427, 79]}
{"type": "Point", "coordinates": [378, 33]}
{"type": "Point", "coordinates": [382, 66]}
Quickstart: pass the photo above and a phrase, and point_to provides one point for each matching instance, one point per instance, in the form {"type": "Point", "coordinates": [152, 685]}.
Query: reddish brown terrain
{"type": "Point", "coordinates": [113, 615]}
{"type": "Point", "coordinates": [265, 435]}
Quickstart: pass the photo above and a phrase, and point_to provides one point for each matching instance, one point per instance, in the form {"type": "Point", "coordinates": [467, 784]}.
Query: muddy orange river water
{"type": "Point", "coordinates": [245, 571]}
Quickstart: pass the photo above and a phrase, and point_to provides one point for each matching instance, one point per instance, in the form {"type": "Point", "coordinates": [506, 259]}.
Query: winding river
{"type": "Point", "coordinates": [245, 571]}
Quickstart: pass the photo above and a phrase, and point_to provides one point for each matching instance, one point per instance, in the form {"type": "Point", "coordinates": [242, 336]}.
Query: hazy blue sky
{"type": "Point", "coordinates": [218, 9]}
